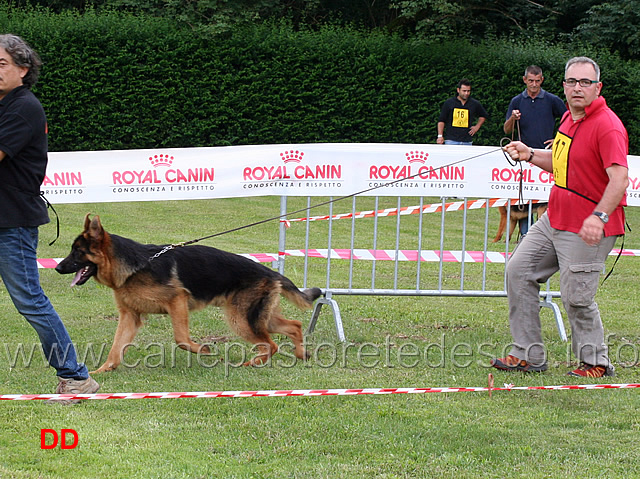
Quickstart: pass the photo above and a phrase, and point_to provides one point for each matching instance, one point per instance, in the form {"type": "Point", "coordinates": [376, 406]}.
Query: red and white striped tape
{"type": "Point", "coordinates": [307, 392]}
{"type": "Point", "coordinates": [433, 256]}
{"type": "Point", "coordinates": [412, 210]}
{"type": "Point", "coordinates": [403, 255]}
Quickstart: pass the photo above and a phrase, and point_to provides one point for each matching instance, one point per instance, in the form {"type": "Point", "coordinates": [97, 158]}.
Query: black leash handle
{"type": "Point", "coordinates": [49, 205]}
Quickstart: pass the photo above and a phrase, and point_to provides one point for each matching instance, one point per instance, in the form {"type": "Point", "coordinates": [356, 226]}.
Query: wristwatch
{"type": "Point", "coordinates": [603, 216]}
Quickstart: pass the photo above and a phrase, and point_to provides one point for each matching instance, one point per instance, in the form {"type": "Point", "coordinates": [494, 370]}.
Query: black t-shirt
{"type": "Point", "coordinates": [23, 139]}
{"type": "Point", "coordinates": [458, 118]}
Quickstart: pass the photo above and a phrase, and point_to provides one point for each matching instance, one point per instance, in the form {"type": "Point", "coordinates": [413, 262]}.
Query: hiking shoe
{"type": "Point", "coordinates": [588, 371]}
{"type": "Point", "coordinates": [74, 386]}
{"type": "Point", "coordinates": [511, 363]}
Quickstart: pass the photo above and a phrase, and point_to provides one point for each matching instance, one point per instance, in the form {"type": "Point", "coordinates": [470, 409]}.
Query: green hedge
{"type": "Point", "coordinates": [116, 81]}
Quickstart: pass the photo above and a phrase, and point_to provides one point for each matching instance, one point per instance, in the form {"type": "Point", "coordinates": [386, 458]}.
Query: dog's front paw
{"type": "Point", "coordinates": [105, 368]}
{"type": "Point", "coordinates": [204, 349]}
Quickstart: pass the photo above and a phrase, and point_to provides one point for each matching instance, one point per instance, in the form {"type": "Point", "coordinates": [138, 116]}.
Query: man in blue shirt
{"type": "Point", "coordinates": [532, 114]}
{"type": "Point", "coordinates": [535, 109]}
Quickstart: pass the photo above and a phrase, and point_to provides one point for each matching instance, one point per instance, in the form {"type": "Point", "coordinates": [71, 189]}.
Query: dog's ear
{"type": "Point", "coordinates": [87, 222]}
{"type": "Point", "coordinates": [96, 231]}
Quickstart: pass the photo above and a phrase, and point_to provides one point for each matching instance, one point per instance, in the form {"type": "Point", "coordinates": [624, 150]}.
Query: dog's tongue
{"type": "Point", "coordinates": [77, 278]}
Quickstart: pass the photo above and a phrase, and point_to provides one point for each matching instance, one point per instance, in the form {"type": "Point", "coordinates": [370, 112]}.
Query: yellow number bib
{"type": "Point", "coordinates": [460, 118]}
{"type": "Point", "coordinates": [561, 146]}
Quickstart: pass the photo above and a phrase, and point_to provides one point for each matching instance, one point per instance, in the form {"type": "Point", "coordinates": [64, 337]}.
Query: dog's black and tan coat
{"type": "Point", "coordinates": [181, 280]}
{"type": "Point", "coordinates": [516, 213]}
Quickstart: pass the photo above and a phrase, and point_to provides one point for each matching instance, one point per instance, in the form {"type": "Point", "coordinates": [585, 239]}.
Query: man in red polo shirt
{"type": "Point", "coordinates": [575, 236]}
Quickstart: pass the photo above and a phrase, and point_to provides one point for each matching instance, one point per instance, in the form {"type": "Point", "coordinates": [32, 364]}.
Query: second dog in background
{"type": "Point", "coordinates": [515, 215]}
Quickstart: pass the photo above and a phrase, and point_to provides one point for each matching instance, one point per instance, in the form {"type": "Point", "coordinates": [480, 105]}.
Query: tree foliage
{"type": "Point", "coordinates": [615, 24]}
{"type": "Point", "coordinates": [612, 24]}
{"type": "Point", "coordinates": [121, 81]}
{"type": "Point", "coordinates": [470, 19]}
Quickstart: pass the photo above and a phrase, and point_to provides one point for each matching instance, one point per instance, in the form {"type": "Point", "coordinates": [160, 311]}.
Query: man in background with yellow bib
{"type": "Point", "coordinates": [578, 231]}
{"type": "Point", "coordinates": [461, 117]}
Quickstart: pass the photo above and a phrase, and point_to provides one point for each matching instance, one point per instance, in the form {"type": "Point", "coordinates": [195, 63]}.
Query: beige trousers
{"type": "Point", "coordinates": [540, 254]}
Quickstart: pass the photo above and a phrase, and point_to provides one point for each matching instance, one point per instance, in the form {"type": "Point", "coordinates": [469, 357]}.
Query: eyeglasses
{"type": "Point", "coordinates": [584, 82]}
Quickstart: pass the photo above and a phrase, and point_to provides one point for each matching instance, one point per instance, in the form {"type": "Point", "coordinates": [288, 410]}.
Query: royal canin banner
{"type": "Point", "coordinates": [336, 169]}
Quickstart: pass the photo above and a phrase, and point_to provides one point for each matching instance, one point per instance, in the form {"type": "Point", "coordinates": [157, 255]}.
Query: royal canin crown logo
{"type": "Point", "coordinates": [293, 156]}
{"type": "Point", "coordinates": [161, 160]}
{"type": "Point", "coordinates": [417, 157]}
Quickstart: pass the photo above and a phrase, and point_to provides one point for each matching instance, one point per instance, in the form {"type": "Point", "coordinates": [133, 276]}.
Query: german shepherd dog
{"type": "Point", "coordinates": [516, 213]}
{"type": "Point", "coordinates": [181, 280]}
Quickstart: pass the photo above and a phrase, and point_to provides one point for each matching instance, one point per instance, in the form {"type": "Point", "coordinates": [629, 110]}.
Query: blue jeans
{"type": "Point", "coordinates": [19, 272]}
{"type": "Point", "coordinates": [453, 142]}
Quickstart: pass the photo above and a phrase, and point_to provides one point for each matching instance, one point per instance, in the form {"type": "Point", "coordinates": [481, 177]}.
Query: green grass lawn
{"type": "Point", "coordinates": [391, 342]}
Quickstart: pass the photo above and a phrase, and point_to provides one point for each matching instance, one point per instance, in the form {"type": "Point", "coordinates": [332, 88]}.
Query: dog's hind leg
{"type": "Point", "coordinates": [238, 313]}
{"type": "Point", "coordinates": [266, 348]}
{"type": "Point", "coordinates": [278, 324]}
{"type": "Point", "coordinates": [513, 222]}
{"type": "Point", "coordinates": [503, 223]}
{"type": "Point", "coordinates": [128, 326]}
{"type": "Point", "coordinates": [178, 309]}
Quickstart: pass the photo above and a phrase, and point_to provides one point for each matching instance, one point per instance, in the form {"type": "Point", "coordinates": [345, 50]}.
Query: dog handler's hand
{"type": "Point", "coordinates": [518, 151]}
{"type": "Point", "coordinates": [591, 231]}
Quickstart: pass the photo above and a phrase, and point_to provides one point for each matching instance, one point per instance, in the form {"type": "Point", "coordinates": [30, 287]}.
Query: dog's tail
{"type": "Point", "coordinates": [302, 299]}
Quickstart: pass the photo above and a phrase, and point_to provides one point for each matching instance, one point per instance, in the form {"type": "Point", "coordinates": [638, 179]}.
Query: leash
{"type": "Point", "coordinates": [515, 163]}
{"type": "Point", "coordinates": [626, 223]}
{"type": "Point", "coordinates": [186, 243]}
{"type": "Point", "coordinates": [49, 205]}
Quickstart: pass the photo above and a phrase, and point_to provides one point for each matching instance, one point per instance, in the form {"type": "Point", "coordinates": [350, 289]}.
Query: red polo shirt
{"type": "Point", "coordinates": [582, 151]}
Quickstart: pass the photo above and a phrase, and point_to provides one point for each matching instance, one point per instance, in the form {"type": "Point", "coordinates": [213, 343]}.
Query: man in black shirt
{"type": "Point", "coordinates": [23, 163]}
{"type": "Point", "coordinates": [458, 114]}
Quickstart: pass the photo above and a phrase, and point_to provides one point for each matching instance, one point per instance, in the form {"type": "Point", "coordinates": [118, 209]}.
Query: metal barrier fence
{"type": "Point", "coordinates": [421, 270]}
